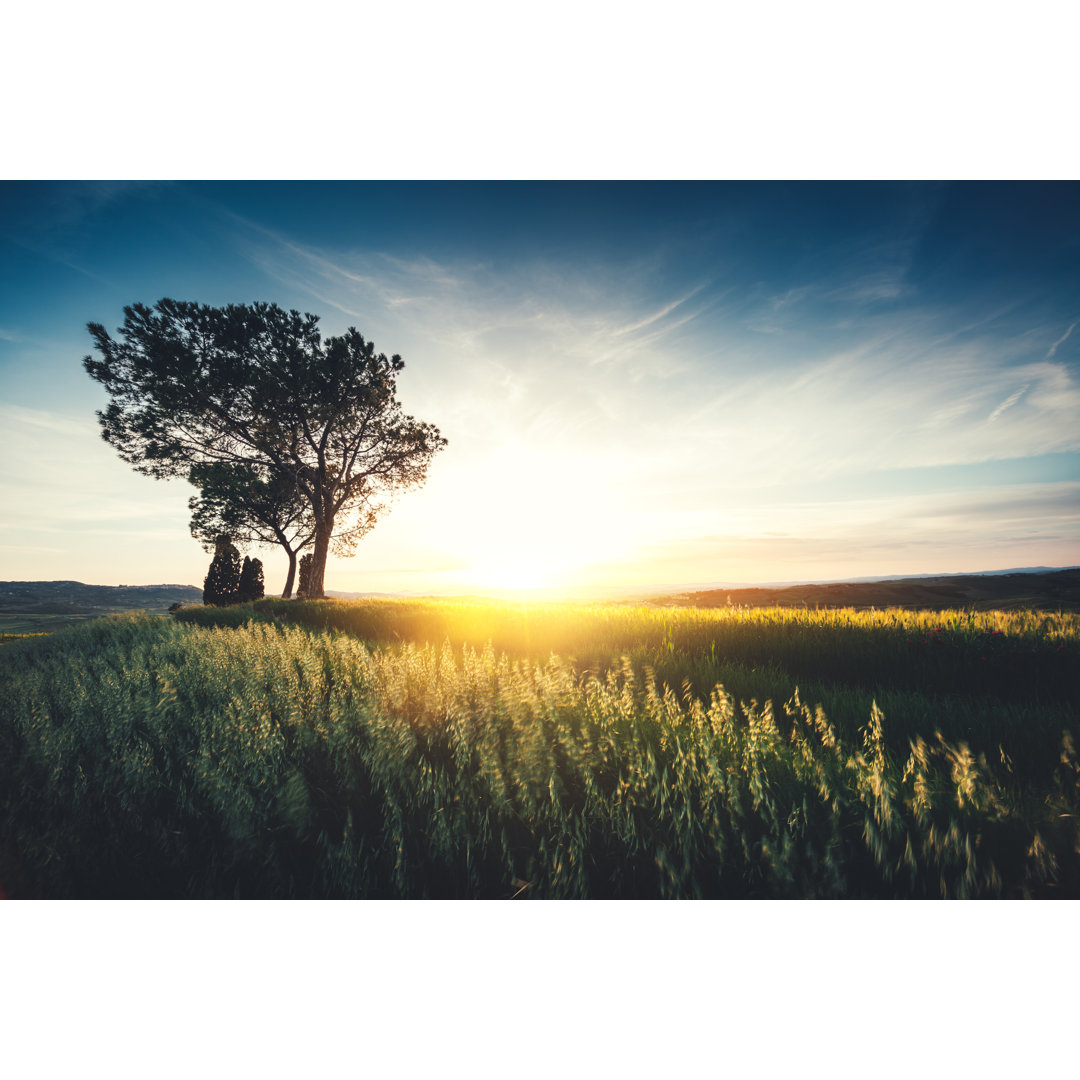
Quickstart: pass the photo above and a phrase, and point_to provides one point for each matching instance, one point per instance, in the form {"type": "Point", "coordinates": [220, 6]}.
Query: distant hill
{"type": "Point", "coordinates": [26, 606]}
{"type": "Point", "coordinates": [1054, 590]}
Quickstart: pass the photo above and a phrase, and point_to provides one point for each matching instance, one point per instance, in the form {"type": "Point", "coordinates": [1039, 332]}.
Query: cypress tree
{"type": "Point", "coordinates": [305, 575]}
{"type": "Point", "coordinates": [223, 579]}
{"type": "Point", "coordinates": [251, 581]}
{"type": "Point", "coordinates": [244, 583]}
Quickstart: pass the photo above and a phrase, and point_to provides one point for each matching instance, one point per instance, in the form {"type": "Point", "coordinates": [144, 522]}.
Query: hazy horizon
{"type": "Point", "coordinates": [582, 591]}
{"type": "Point", "coordinates": [640, 383]}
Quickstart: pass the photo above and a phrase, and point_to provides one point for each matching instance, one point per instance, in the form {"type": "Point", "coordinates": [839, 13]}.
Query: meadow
{"type": "Point", "coordinates": [465, 748]}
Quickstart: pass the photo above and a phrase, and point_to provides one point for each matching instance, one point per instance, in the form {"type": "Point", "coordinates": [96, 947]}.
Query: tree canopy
{"type": "Point", "coordinates": [255, 387]}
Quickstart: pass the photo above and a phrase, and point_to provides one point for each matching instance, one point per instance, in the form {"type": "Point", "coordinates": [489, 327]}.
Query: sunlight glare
{"type": "Point", "coordinates": [540, 525]}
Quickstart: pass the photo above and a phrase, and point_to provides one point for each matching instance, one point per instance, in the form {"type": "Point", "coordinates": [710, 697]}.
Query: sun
{"type": "Point", "coordinates": [515, 575]}
{"type": "Point", "coordinates": [532, 521]}
{"type": "Point", "coordinates": [518, 560]}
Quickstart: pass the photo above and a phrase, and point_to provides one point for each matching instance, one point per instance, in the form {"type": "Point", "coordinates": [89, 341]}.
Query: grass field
{"type": "Point", "coordinates": [17, 624]}
{"type": "Point", "coordinates": [471, 749]}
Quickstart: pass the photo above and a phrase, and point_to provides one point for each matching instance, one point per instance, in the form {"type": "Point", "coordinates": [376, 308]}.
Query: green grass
{"type": "Point", "coordinates": [18, 624]}
{"type": "Point", "coordinates": [441, 749]}
{"type": "Point", "coordinates": [975, 676]}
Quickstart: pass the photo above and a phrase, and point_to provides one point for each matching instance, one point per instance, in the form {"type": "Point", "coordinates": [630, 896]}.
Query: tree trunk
{"type": "Point", "coordinates": [323, 531]}
{"type": "Point", "coordinates": [289, 581]}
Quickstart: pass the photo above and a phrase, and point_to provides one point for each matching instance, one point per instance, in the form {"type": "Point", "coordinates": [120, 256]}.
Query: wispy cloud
{"type": "Point", "coordinates": [888, 284]}
{"type": "Point", "coordinates": [778, 311]}
{"type": "Point", "coordinates": [43, 420]}
{"type": "Point", "coordinates": [59, 475]}
{"type": "Point", "coordinates": [666, 310]}
{"type": "Point", "coordinates": [62, 258]}
{"type": "Point", "coordinates": [1008, 403]}
{"type": "Point", "coordinates": [846, 282]}
{"type": "Point", "coordinates": [520, 324]}
{"type": "Point", "coordinates": [577, 353]}
{"type": "Point", "coordinates": [1060, 341]}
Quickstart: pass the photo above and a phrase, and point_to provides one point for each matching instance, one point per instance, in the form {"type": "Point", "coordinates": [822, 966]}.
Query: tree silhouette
{"type": "Point", "coordinates": [223, 579]}
{"type": "Point", "coordinates": [303, 589]}
{"type": "Point", "coordinates": [255, 385]}
{"type": "Point", "coordinates": [251, 581]}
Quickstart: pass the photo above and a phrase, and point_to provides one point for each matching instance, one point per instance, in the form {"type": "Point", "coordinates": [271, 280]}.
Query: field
{"type": "Point", "coordinates": [476, 749]}
{"type": "Point", "coordinates": [44, 606]}
{"type": "Point", "coordinates": [17, 625]}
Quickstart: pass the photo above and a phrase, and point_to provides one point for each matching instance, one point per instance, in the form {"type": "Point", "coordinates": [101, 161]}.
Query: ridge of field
{"type": "Point", "coordinates": [369, 749]}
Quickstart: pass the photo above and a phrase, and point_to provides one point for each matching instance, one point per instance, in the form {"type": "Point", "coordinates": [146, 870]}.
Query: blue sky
{"type": "Point", "coordinates": [641, 383]}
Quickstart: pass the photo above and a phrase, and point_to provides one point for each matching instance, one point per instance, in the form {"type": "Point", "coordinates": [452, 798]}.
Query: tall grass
{"type": "Point", "coordinates": [976, 676]}
{"type": "Point", "coordinates": [148, 757]}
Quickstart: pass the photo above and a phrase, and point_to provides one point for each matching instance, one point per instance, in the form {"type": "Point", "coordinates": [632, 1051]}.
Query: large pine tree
{"type": "Point", "coordinates": [254, 385]}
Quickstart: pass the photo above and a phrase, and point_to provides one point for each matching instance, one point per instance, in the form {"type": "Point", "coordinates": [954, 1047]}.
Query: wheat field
{"type": "Point", "coordinates": [460, 749]}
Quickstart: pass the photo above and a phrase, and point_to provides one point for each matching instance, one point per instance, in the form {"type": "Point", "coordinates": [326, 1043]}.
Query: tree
{"type": "Point", "coordinates": [257, 507]}
{"type": "Point", "coordinates": [251, 581]}
{"type": "Point", "coordinates": [223, 579]}
{"type": "Point", "coordinates": [303, 589]}
{"type": "Point", "coordinates": [254, 506]}
{"type": "Point", "coordinates": [255, 385]}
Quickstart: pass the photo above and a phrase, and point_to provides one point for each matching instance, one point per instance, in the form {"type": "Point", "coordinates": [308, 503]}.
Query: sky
{"type": "Point", "coordinates": [642, 384]}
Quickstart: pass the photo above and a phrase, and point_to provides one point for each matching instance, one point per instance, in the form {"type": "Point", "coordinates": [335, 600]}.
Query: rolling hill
{"type": "Point", "coordinates": [29, 606]}
{"type": "Point", "coordinates": [1054, 590]}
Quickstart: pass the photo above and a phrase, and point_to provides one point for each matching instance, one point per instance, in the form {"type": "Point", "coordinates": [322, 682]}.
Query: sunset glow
{"type": "Point", "coordinates": [641, 385]}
